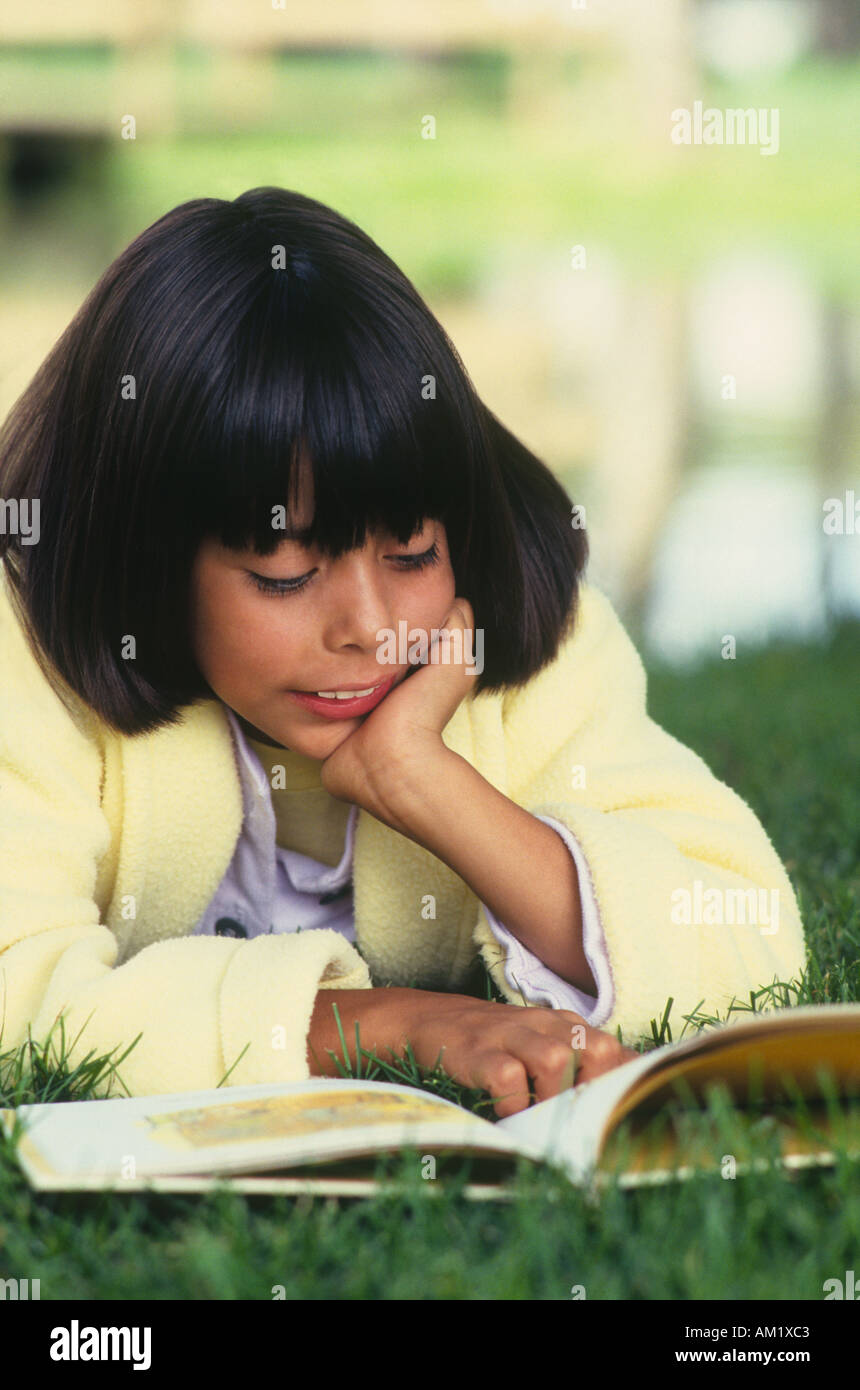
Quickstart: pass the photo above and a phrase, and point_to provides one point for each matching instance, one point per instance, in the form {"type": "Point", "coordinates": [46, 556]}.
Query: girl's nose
{"type": "Point", "coordinates": [359, 605]}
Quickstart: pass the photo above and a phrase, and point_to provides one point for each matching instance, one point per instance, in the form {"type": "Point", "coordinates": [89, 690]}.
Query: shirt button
{"type": "Point", "coordinates": [228, 926]}
{"type": "Point", "coordinates": [338, 893]}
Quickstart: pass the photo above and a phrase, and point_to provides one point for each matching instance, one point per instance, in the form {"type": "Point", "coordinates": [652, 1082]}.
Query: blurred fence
{"type": "Point", "coordinates": [130, 51]}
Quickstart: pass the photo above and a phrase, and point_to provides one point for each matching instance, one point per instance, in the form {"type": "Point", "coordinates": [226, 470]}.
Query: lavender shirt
{"type": "Point", "coordinates": [269, 889]}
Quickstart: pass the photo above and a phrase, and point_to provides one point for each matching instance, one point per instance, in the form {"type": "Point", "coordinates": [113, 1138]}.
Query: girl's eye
{"type": "Point", "coordinates": [291, 586]}
{"type": "Point", "coordinates": [279, 586]}
{"type": "Point", "coordinates": [417, 562]}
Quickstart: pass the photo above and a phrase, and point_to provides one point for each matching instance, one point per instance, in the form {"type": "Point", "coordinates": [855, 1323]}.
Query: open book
{"type": "Point", "coordinates": [191, 1141]}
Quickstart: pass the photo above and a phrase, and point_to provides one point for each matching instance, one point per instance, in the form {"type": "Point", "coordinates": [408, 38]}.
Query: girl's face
{"type": "Point", "coordinates": [260, 650]}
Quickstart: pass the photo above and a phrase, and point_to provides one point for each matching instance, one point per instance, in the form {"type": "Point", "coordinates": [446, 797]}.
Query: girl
{"type": "Point", "coordinates": [242, 775]}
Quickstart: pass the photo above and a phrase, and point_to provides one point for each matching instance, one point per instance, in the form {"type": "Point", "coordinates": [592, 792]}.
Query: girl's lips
{"type": "Point", "coordinates": [342, 709]}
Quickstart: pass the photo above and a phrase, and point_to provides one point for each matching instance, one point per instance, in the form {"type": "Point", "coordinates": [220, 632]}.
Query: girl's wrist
{"type": "Point", "coordinates": [380, 1014]}
{"type": "Point", "coordinates": [416, 787]}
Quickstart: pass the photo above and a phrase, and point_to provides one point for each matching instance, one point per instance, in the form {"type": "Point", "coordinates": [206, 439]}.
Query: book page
{"type": "Point", "coordinates": [258, 1119]}
{"type": "Point", "coordinates": [242, 1129]}
{"type": "Point", "coordinates": [566, 1130]}
{"type": "Point", "coordinates": [570, 1129]}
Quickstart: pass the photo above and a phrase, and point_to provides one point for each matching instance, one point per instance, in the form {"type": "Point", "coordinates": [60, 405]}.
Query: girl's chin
{"type": "Point", "coordinates": [323, 743]}
{"type": "Point", "coordinates": [318, 744]}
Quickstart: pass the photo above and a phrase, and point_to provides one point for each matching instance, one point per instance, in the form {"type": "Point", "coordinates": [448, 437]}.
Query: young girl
{"type": "Point", "coordinates": [243, 776]}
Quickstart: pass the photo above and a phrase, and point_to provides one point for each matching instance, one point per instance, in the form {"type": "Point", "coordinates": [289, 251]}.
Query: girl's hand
{"type": "Point", "coordinates": [498, 1047]}
{"type": "Point", "coordinates": [492, 1047]}
{"type": "Point", "coordinates": [402, 738]}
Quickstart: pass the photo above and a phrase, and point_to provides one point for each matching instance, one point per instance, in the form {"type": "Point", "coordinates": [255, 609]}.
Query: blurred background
{"type": "Point", "coordinates": [674, 328]}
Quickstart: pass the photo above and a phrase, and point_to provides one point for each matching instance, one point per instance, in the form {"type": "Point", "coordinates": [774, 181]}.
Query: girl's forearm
{"type": "Point", "coordinates": [519, 867]}
{"type": "Point", "coordinates": [377, 1013]}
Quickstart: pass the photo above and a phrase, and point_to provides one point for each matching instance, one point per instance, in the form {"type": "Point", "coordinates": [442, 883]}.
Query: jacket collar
{"type": "Point", "coordinates": [183, 821]}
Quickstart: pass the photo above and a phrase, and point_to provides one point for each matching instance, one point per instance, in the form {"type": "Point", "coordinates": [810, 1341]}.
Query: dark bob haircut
{"type": "Point", "coordinates": [227, 342]}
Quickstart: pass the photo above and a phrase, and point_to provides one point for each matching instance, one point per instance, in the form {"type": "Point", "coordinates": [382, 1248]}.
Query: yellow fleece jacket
{"type": "Point", "coordinates": [111, 848]}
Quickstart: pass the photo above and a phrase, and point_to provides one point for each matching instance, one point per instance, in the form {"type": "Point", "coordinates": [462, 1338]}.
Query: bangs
{"type": "Point", "coordinates": [381, 420]}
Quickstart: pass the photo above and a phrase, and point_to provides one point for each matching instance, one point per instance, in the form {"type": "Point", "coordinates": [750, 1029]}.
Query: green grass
{"type": "Point", "coordinates": [781, 727]}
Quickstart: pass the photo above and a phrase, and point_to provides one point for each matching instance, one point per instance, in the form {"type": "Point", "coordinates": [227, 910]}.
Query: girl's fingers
{"type": "Point", "coordinates": [600, 1054]}
{"type": "Point", "coordinates": [436, 693]}
{"type": "Point", "coordinates": [501, 1074]}
{"type": "Point", "coordinates": [551, 1062]}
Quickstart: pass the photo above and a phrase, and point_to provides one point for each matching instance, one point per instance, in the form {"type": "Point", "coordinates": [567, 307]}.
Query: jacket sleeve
{"type": "Point", "coordinates": [693, 899]}
{"type": "Point", "coordinates": [534, 980]}
{"type": "Point", "coordinates": [196, 1001]}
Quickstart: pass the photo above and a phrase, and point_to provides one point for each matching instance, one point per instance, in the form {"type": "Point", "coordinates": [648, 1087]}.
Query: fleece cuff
{"type": "Point", "coordinates": [267, 999]}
